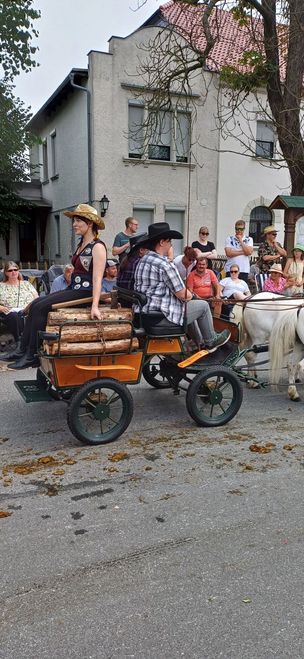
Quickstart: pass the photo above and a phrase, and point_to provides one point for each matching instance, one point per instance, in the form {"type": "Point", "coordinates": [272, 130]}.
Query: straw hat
{"type": "Point", "coordinates": [270, 229]}
{"type": "Point", "coordinates": [276, 267]}
{"type": "Point", "coordinates": [88, 213]}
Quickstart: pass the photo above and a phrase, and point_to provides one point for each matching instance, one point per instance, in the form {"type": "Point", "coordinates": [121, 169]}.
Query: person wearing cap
{"type": "Point", "coordinates": [294, 271]}
{"type": "Point", "coordinates": [160, 281]}
{"type": "Point", "coordinates": [89, 262]}
{"type": "Point", "coordinates": [121, 245]}
{"type": "Point", "coordinates": [276, 282]}
{"type": "Point", "coordinates": [109, 280]}
{"type": "Point", "coordinates": [238, 249]}
{"type": "Point", "coordinates": [126, 275]}
{"type": "Point", "coordinates": [270, 250]}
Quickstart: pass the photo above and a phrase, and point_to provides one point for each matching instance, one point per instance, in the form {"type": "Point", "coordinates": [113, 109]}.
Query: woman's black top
{"type": "Point", "coordinates": [204, 248]}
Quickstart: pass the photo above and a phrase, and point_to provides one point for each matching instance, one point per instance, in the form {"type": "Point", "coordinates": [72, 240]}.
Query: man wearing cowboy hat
{"type": "Point", "coordinates": [161, 282]}
{"type": "Point", "coordinates": [270, 251]}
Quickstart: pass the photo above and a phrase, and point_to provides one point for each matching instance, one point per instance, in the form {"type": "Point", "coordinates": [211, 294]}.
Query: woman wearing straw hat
{"type": "Point", "coordinates": [276, 282]}
{"type": "Point", "coordinates": [89, 263]}
{"type": "Point", "coordinates": [294, 271]}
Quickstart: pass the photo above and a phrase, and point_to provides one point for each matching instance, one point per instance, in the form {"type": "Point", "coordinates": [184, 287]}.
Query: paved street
{"type": "Point", "coordinates": [190, 546]}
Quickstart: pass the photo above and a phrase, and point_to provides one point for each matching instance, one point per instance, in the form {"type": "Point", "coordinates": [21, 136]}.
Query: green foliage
{"type": "Point", "coordinates": [16, 55]}
{"type": "Point", "coordinates": [16, 33]}
{"type": "Point", "coordinates": [255, 76]}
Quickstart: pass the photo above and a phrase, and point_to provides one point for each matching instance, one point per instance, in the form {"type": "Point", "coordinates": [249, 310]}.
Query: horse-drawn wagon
{"type": "Point", "coordinates": [89, 364]}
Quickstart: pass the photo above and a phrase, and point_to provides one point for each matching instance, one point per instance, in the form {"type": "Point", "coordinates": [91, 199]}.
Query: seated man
{"type": "Point", "coordinates": [110, 275]}
{"type": "Point", "coordinates": [203, 282]}
{"type": "Point", "coordinates": [159, 279]}
{"type": "Point", "coordinates": [62, 282]}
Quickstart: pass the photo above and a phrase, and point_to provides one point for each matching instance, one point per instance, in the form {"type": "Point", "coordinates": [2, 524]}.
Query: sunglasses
{"type": "Point", "coordinates": [13, 270]}
{"type": "Point", "coordinates": [234, 271]}
{"type": "Point", "coordinates": [272, 233]}
{"type": "Point", "coordinates": [204, 233]}
{"type": "Point", "coordinates": [240, 228]}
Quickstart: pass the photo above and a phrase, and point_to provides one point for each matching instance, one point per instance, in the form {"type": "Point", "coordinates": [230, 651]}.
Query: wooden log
{"type": "Point", "coordinates": [83, 300]}
{"type": "Point", "coordinates": [76, 333]}
{"type": "Point", "coordinates": [98, 348]}
{"type": "Point", "coordinates": [71, 314]}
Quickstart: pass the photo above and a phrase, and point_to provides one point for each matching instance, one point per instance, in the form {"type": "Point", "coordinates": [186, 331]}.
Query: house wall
{"type": "Point", "coordinates": [160, 185]}
{"type": "Point", "coordinates": [69, 186]}
{"type": "Point", "coordinates": [246, 181]}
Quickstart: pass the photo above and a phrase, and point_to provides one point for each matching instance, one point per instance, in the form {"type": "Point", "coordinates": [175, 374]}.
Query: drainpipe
{"type": "Point", "coordinates": [88, 93]}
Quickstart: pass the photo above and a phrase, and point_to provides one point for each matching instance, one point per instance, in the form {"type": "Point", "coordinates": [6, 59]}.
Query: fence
{"type": "Point", "coordinates": [28, 265]}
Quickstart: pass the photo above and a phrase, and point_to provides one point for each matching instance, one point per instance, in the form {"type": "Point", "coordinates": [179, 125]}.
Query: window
{"type": "Point", "coordinates": [144, 215]}
{"type": "Point", "coordinates": [136, 132]}
{"type": "Point", "coordinates": [161, 136]}
{"type": "Point", "coordinates": [45, 168]}
{"type": "Point", "coordinates": [53, 155]}
{"type": "Point", "coordinates": [260, 217]}
{"type": "Point", "coordinates": [265, 140]}
{"type": "Point", "coordinates": [57, 233]}
{"type": "Point", "coordinates": [176, 218]}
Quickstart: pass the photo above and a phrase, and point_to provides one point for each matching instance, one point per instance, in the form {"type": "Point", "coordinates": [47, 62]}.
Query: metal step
{"type": "Point", "coordinates": [31, 392]}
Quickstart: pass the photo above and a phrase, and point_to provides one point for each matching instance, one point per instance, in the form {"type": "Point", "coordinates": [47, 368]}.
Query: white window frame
{"type": "Point", "coordinates": [170, 143]}
{"type": "Point", "coordinates": [54, 169]}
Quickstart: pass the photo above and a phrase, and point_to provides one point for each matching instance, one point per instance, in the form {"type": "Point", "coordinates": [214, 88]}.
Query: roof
{"type": "Point", "coordinates": [287, 201]}
{"type": "Point", "coordinates": [232, 39]}
{"type": "Point", "coordinates": [58, 96]}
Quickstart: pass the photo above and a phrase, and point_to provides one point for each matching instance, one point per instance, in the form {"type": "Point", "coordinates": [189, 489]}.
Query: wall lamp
{"type": "Point", "coordinates": [104, 205]}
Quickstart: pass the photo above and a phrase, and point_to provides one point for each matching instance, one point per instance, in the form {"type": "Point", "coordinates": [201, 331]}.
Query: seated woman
{"type": "Point", "coordinates": [276, 282]}
{"type": "Point", "coordinates": [15, 295]}
{"type": "Point", "coordinates": [202, 282]}
{"type": "Point", "coordinates": [234, 289]}
{"type": "Point", "coordinates": [126, 275]}
{"type": "Point", "coordinates": [89, 263]}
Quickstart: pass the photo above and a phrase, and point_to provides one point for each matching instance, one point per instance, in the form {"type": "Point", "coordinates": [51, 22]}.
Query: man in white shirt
{"type": "Point", "coordinates": [238, 249]}
{"type": "Point", "coordinates": [185, 262]}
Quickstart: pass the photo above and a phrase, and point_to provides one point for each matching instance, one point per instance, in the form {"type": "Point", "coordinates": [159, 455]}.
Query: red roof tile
{"type": "Point", "coordinates": [231, 38]}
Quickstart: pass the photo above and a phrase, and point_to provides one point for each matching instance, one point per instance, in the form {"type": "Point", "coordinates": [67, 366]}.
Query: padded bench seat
{"type": "Point", "coordinates": [156, 324]}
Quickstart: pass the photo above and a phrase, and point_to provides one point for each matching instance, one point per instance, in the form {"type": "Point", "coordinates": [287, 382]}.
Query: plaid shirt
{"type": "Point", "coordinates": [125, 277]}
{"type": "Point", "coordinates": [159, 279]}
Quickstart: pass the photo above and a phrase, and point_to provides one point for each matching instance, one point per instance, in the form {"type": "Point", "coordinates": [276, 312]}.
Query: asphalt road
{"type": "Point", "coordinates": [190, 546]}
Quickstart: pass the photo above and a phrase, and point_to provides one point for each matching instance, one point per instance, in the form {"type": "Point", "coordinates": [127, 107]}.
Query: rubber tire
{"type": "Point", "coordinates": [151, 379]}
{"type": "Point", "coordinates": [197, 383]}
{"type": "Point", "coordinates": [77, 399]}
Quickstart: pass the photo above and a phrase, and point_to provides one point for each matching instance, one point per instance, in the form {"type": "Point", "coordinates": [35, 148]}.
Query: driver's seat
{"type": "Point", "coordinates": [154, 323]}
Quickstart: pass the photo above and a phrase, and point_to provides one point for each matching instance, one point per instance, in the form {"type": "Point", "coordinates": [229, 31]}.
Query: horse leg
{"type": "Point", "coordinates": [293, 369]}
{"type": "Point", "coordinates": [250, 359]}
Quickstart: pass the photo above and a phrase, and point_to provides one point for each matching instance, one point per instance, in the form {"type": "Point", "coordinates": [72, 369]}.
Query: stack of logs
{"type": "Point", "coordinates": [94, 338]}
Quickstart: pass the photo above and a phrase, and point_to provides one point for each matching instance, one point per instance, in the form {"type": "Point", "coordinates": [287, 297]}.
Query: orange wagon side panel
{"type": "Point", "coordinates": [67, 373]}
{"type": "Point", "coordinates": [164, 346]}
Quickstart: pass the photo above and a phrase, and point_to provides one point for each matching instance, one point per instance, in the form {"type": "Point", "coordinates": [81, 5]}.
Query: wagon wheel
{"type": "Point", "coordinates": [100, 411]}
{"type": "Point", "coordinates": [154, 372]}
{"type": "Point", "coordinates": [214, 397]}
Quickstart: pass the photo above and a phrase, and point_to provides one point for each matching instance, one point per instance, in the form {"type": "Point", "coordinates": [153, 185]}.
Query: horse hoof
{"type": "Point", "coordinates": [253, 385]}
{"type": "Point", "coordinates": [295, 400]}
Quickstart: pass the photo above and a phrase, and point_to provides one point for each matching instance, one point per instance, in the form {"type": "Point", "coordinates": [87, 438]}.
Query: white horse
{"type": "Point", "coordinates": [265, 319]}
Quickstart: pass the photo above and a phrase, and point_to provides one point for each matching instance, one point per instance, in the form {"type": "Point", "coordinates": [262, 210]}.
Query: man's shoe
{"type": "Point", "coordinates": [220, 340]}
{"type": "Point", "coordinates": [25, 362]}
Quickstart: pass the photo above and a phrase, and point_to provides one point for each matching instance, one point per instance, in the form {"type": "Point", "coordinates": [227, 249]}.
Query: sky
{"type": "Point", "coordinates": [68, 30]}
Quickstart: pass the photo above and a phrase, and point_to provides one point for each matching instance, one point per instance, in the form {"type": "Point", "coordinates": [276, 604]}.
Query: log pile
{"type": "Point", "coordinates": [80, 337]}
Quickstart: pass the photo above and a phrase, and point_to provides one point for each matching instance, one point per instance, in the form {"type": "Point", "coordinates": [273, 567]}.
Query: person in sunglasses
{"type": "Point", "coordinates": [15, 296]}
{"type": "Point", "coordinates": [270, 250]}
{"type": "Point", "coordinates": [205, 246]}
{"type": "Point", "coordinates": [238, 249]}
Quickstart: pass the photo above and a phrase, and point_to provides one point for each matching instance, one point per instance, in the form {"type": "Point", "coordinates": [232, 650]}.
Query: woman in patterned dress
{"type": "Point", "coordinates": [15, 295]}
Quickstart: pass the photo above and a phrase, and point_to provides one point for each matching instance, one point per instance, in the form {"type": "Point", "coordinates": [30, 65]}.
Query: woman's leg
{"type": "Point", "coordinates": [38, 313]}
{"type": "Point", "coordinates": [11, 320]}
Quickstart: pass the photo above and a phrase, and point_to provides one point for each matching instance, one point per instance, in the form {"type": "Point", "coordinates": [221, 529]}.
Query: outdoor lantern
{"type": "Point", "coordinates": [104, 205]}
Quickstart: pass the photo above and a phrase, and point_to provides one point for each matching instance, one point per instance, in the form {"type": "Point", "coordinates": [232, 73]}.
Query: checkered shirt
{"type": "Point", "coordinates": [159, 279]}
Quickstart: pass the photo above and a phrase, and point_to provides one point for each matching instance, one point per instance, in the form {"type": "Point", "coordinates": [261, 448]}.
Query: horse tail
{"type": "Point", "coordinates": [282, 340]}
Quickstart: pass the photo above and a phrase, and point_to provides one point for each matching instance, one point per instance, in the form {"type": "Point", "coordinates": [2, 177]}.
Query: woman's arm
{"type": "Point", "coordinates": [285, 271]}
{"type": "Point", "coordinates": [99, 262]}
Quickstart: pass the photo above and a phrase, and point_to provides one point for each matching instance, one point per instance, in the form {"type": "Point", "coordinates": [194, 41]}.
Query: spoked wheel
{"type": "Point", "coordinates": [214, 397]}
{"type": "Point", "coordinates": [100, 411]}
{"type": "Point", "coordinates": [154, 372]}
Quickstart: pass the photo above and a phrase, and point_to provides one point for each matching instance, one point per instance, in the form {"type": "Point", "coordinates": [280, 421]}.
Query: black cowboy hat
{"type": "Point", "coordinates": [161, 231]}
{"type": "Point", "coordinates": [139, 240]}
